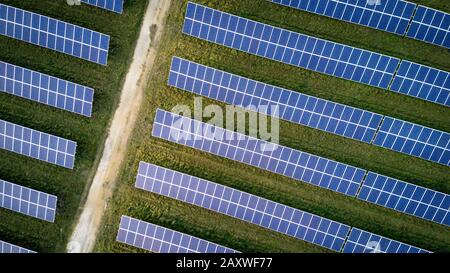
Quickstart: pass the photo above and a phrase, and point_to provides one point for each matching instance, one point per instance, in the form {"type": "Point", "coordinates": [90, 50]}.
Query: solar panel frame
{"type": "Point", "coordinates": [28, 201]}
{"type": "Point", "coordinates": [289, 47]}
{"type": "Point", "coordinates": [407, 198]}
{"type": "Point", "coordinates": [389, 15]}
{"type": "Point", "coordinates": [111, 5]}
{"type": "Point", "coordinates": [159, 239]}
{"type": "Point", "coordinates": [360, 241]}
{"type": "Point", "coordinates": [413, 139]}
{"type": "Point", "coordinates": [241, 205]}
{"type": "Point", "coordinates": [427, 27]}
{"type": "Point", "coordinates": [265, 155]}
{"type": "Point", "coordinates": [423, 82]}
{"type": "Point", "coordinates": [10, 248]}
{"type": "Point", "coordinates": [54, 34]}
{"type": "Point", "coordinates": [46, 89]}
{"type": "Point", "coordinates": [289, 105]}
{"type": "Point", "coordinates": [38, 145]}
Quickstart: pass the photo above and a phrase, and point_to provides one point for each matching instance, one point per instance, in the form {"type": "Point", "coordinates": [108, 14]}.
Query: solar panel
{"type": "Point", "coordinates": [27, 201]}
{"type": "Point", "coordinates": [289, 47]}
{"type": "Point", "coordinates": [241, 205]}
{"type": "Point", "coordinates": [405, 197]}
{"type": "Point", "coordinates": [431, 26]}
{"type": "Point", "coordinates": [10, 248]}
{"type": "Point", "coordinates": [36, 144]}
{"type": "Point", "coordinates": [413, 139]}
{"type": "Point", "coordinates": [54, 34]}
{"type": "Point", "coordinates": [159, 239]}
{"type": "Point", "coordinates": [291, 106]}
{"type": "Point", "coordinates": [46, 89]}
{"type": "Point", "coordinates": [360, 241]}
{"type": "Point", "coordinates": [422, 82]}
{"type": "Point", "coordinates": [265, 155]}
{"type": "Point", "coordinates": [111, 5]}
{"type": "Point", "coordinates": [388, 15]}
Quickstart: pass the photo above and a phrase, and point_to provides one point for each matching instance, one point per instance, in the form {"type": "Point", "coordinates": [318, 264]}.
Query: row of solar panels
{"type": "Point", "coordinates": [26, 201]}
{"type": "Point", "coordinates": [301, 166]}
{"type": "Point", "coordinates": [63, 37]}
{"type": "Point", "coordinates": [243, 206]}
{"type": "Point", "coordinates": [343, 120]}
{"type": "Point", "coordinates": [318, 55]}
{"type": "Point", "coordinates": [396, 16]}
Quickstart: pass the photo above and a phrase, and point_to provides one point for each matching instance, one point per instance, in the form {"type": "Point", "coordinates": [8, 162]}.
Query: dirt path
{"type": "Point", "coordinates": [84, 235]}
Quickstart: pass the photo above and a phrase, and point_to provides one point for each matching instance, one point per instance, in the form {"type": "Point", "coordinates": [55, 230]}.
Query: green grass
{"type": "Point", "coordinates": [68, 185]}
{"type": "Point", "coordinates": [246, 237]}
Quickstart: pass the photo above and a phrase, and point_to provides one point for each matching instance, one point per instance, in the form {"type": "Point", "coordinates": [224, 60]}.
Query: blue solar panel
{"type": "Point", "coordinates": [38, 145]}
{"type": "Point", "coordinates": [422, 82]}
{"type": "Point", "coordinates": [360, 241]}
{"type": "Point", "coordinates": [408, 198]}
{"type": "Point", "coordinates": [271, 100]}
{"type": "Point", "coordinates": [431, 26]}
{"type": "Point", "coordinates": [388, 15]}
{"type": "Point", "coordinates": [159, 239]}
{"type": "Point", "coordinates": [46, 89]}
{"type": "Point", "coordinates": [413, 139]}
{"type": "Point", "coordinates": [265, 155]}
{"type": "Point", "coordinates": [10, 248]}
{"type": "Point", "coordinates": [27, 201]}
{"type": "Point", "coordinates": [289, 47]}
{"type": "Point", "coordinates": [241, 205]}
{"type": "Point", "coordinates": [111, 5]}
{"type": "Point", "coordinates": [54, 34]}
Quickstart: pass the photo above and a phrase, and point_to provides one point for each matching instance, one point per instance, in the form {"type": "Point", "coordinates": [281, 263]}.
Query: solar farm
{"type": "Point", "coordinates": [361, 90]}
{"type": "Point", "coordinates": [58, 85]}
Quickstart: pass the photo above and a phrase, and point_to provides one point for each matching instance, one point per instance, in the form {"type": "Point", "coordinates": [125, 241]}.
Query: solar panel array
{"type": "Point", "coordinates": [10, 248]}
{"type": "Point", "coordinates": [388, 15]}
{"type": "Point", "coordinates": [431, 26]}
{"type": "Point", "coordinates": [46, 89]}
{"type": "Point", "coordinates": [36, 144]}
{"type": "Point", "coordinates": [360, 241]}
{"type": "Point", "coordinates": [285, 161]}
{"type": "Point", "coordinates": [27, 201]}
{"type": "Point", "coordinates": [422, 82]}
{"type": "Point", "coordinates": [54, 34]}
{"type": "Point", "coordinates": [407, 198]}
{"type": "Point", "coordinates": [241, 205]}
{"type": "Point", "coordinates": [282, 103]}
{"type": "Point", "coordinates": [159, 239]}
{"type": "Point", "coordinates": [289, 47]}
{"type": "Point", "coordinates": [111, 5]}
{"type": "Point", "coordinates": [413, 139]}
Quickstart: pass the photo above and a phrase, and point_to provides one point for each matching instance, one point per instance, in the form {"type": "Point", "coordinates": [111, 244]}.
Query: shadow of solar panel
{"type": "Point", "coordinates": [405, 197]}
{"type": "Point", "coordinates": [431, 26]}
{"type": "Point", "coordinates": [159, 239]}
{"type": "Point", "coordinates": [422, 82]}
{"type": "Point", "coordinates": [38, 145]}
{"type": "Point", "coordinates": [241, 205]}
{"type": "Point", "coordinates": [289, 47]}
{"type": "Point", "coordinates": [54, 34]}
{"type": "Point", "coordinates": [27, 201]}
{"type": "Point", "coordinates": [413, 139]}
{"type": "Point", "coordinates": [388, 15]}
{"type": "Point", "coordinates": [299, 108]}
{"type": "Point", "coordinates": [111, 5]}
{"type": "Point", "coordinates": [265, 155]}
{"type": "Point", "coordinates": [46, 89]}
{"type": "Point", "coordinates": [360, 241]}
{"type": "Point", "coordinates": [10, 248]}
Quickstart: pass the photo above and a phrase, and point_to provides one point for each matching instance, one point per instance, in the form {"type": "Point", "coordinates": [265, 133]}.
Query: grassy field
{"type": "Point", "coordinates": [68, 185]}
{"type": "Point", "coordinates": [246, 237]}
